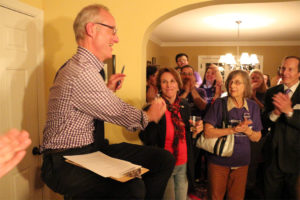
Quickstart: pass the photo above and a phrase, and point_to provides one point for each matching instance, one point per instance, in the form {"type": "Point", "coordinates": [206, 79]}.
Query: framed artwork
{"type": "Point", "coordinates": [110, 67]}
{"type": "Point", "coordinates": [148, 62]}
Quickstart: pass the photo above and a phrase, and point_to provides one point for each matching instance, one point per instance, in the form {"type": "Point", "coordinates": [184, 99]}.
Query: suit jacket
{"type": "Point", "coordinates": [285, 132]}
{"type": "Point", "coordinates": [155, 135]}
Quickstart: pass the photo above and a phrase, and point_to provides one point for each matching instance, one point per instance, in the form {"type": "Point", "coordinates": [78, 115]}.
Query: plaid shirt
{"type": "Point", "coordinates": [77, 97]}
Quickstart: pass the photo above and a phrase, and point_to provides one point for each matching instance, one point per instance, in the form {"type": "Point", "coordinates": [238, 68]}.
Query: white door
{"type": "Point", "coordinates": [20, 97]}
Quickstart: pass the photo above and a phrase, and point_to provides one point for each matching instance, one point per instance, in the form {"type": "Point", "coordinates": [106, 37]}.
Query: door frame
{"type": "Point", "coordinates": [203, 59]}
{"type": "Point", "coordinates": [38, 16]}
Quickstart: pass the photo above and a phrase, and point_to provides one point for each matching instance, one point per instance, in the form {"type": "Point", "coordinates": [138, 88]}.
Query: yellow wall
{"type": "Point", "coordinates": [154, 50]}
{"type": "Point", "coordinates": [272, 55]}
{"type": "Point", "coordinates": [34, 3]}
{"type": "Point", "coordinates": [135, 21]}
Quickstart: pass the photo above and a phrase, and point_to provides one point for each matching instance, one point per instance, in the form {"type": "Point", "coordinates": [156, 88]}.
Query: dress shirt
{"type": "Point", "coordinates": [78, 96]}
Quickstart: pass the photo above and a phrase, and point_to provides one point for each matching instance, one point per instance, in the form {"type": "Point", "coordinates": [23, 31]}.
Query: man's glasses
{"type": "Point", "coordinates": [187, 74]}
{"type": "Point", "coordinates": [108, 26]}
{"type": "Point", "coordinates": [235, 82]}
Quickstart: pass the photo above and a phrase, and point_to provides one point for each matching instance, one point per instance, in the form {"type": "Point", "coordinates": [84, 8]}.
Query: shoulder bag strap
{"type": "Point", "coordinates": [224, 113]}
{"type": "Point", "coordinates": [219, 145]}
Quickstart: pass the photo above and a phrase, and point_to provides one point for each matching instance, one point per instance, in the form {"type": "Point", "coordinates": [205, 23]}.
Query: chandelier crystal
{"type": "Point", "coordinates": [244, 61]}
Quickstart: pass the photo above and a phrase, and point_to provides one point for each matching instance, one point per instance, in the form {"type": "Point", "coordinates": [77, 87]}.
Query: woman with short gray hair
{"type": "Point", "coordinates": [229, 174]}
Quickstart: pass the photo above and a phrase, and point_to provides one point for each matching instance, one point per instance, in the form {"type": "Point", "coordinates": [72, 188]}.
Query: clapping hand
{"type": "Point", "coordinates": [13, 146]}
{"type": "Point", "coordinates": [255, 85]}
{"type": "Point", "coordinates": [156, 109]}
{"type": "Point", "coordinates": [187, 85]}
{"type": "Point", "coordinates": [243, 126]}
{"type": "Point", "coordinates": [282, 103]}
{"type": "Point", "coordinates": [218, 86]}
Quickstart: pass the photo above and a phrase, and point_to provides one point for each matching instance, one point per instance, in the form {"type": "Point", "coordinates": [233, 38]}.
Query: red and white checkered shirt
{"type": "Point", "coordinates": [77, 97]}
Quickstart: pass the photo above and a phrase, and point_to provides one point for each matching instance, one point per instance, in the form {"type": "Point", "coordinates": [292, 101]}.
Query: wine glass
{"type": "Point", "coordinates": [247, 116]}
{"type": "Point", "coordinates": [234, 122]}
{"type": "Point", "coordinates": [194, 119]}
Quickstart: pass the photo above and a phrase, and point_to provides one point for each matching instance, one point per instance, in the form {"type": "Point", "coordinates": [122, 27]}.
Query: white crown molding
{"type": "Point", "coordinates": [244, 43]}
{"type": "Point", "coordinates": [155, 40]}
{"type": "Point", "coordinates": [21, 7]}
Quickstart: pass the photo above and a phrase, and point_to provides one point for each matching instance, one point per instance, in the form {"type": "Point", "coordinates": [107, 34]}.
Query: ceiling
{"type": "Point", "coordinates": [261, 23]}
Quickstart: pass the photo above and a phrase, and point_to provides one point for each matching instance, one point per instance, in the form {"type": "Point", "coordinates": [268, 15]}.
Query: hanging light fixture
{"type": "Point", "coordinates": [254, 59]}
{"type": "Point", "coordinates": [244, 60]}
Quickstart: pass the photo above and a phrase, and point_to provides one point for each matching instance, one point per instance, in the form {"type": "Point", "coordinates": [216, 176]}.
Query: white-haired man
{"type": "Point", "coordinates": [78, 97]}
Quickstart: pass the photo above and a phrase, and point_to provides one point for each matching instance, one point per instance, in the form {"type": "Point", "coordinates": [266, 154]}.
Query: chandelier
{"type": "Point", "coordinates": [244, 61]}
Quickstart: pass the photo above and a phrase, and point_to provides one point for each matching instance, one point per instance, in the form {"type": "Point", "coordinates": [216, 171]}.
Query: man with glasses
{"type": "Point", "coordinates": [182, 59]}
{"type": "Point", "coordinates": [282, 114]}
{"type": "Point", "coordinates": [78, 97]}
{"type": "Point", "coordinates": [195, 96]}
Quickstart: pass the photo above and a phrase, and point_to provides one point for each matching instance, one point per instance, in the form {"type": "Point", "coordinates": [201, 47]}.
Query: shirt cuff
{"type": "Point", "coordinates": [289, 114]}
{"type": "Point", "coordinates": [144, 120]}
{"type": "Point", "coordinates": [273, 117]}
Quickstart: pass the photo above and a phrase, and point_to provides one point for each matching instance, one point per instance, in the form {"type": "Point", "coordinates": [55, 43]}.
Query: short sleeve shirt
{"type": "Point", "coordinates": [241, 152]}
{"type": "Point", "coordinates": [194, 109]}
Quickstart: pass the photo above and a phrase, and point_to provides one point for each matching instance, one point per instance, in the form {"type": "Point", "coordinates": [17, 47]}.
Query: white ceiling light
{"type": "Point", "coordinates": [254, 59]}
{"type": "Point", "coordinates": [245, 59]}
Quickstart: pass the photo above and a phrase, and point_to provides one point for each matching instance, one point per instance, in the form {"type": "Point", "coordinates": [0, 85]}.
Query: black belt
{"type": "Point", "coordinates": [72, 151]}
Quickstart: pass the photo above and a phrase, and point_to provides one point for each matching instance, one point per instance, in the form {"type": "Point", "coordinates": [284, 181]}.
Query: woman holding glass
{"type": "Point", "coordinates": [173, 134]}
{"type": "Point", "coordinates": [229, 174]}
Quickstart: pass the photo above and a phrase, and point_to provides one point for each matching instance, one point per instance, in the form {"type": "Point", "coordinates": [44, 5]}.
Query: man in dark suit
{"type": "Point", "coordinates": [282, 114]}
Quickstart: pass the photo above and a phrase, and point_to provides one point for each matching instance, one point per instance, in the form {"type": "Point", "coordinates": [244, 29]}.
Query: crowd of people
{"type": "Point", "coordinates": [259, 167]}
{"type": "Point", "coordinates": [264, 121]}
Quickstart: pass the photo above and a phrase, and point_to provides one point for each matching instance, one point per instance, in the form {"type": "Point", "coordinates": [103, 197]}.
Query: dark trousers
{"type": "Point", "coordinates": [200, 164]}
{"type": "Point", "coordinates": [80, 183]}
{"type": "Point", "coordinates": [256, 171]}
{"type": "Point", "coordinates": [278, 184]}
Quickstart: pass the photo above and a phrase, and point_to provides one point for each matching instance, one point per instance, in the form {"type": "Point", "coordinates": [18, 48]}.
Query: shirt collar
{"type": "Point", "coordinates": [91, 57]}
{"type": "Point", "coordinates": [293, 88]}
{"type": "Point", "coordinates": [206, 86]}
{"type": "Point", "coordinates": [231, 105]}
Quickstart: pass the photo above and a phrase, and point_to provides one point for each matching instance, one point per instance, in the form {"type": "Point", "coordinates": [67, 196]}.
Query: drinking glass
{"type": "Point", "coordinates": [194, 119]}
{"type": "Point", "coordinates": [234, 122]}
{"type": "Point", "coordinates": [247, 116]}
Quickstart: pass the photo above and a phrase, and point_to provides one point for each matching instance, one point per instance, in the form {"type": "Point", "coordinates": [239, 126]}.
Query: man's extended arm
{"type": "Point", "coordinates": [93, 97]}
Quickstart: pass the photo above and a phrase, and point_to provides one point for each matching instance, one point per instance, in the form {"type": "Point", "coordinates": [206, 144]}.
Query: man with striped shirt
{"type": "Point", "coordinates": [78, 96]}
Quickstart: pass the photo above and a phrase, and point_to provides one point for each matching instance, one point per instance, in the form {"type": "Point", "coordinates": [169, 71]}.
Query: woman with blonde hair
{"type": "Point", "coordinates": [253, 189]}
{"type": "Point", "coordinates": [212, 83]}
{"type": "Point", "coordinates": [259, 87]}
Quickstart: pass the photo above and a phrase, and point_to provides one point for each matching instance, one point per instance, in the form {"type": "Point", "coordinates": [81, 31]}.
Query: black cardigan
{"type": "Point", "coordinates": [155, 135]}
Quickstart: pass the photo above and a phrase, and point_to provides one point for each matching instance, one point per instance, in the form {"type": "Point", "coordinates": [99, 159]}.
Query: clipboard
{"type": "Point", "coordinates": [85, 163]}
